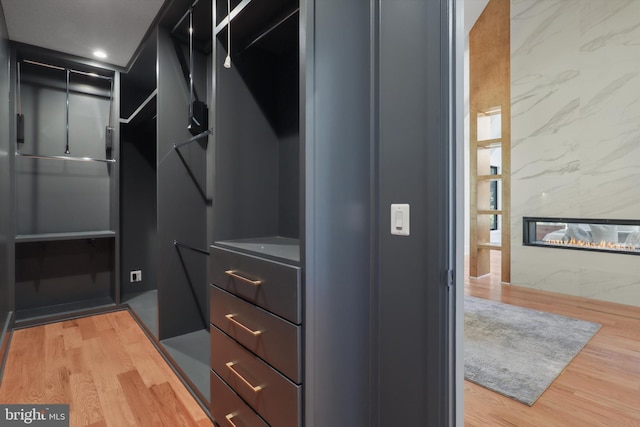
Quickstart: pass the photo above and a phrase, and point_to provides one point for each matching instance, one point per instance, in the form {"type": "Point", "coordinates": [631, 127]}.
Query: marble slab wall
{"type": "Point", "coordinates": [575, 93]}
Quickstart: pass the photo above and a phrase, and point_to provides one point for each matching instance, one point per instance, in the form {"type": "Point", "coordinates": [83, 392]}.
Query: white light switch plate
{"type": "Point", "coordinates": [400, 219]}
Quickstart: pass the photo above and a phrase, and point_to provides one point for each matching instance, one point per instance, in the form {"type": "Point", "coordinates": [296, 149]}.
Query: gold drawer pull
{"type": "Point", "coordinates": [231, 319]}
{"type": "Point", "coordinates": [243, 379]}
{"type": "Point", "coordinates": [229, 417]}
{"type": "Point", "coordinates": [235, 275]}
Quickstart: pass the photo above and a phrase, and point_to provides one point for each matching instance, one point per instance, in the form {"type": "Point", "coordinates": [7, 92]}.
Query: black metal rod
{"type": "Point", "coordinates": [193, 138]}
{"type": "Point", "coordinates": [267, 31]}
{"type": "Point", "coordinates": [175, 27]}
{"type": "Point", "coordinates": [182, 245]}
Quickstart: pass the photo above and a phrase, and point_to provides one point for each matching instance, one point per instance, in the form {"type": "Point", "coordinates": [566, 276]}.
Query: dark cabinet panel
{"type": "Point", "coordinates": [273, 396]}
{"type": "Point", "coordinates": [272, 285]}
{"type": "Point", "coordinates": [228, 409]}
{"type": "Point", "coordinates": [277, 341]}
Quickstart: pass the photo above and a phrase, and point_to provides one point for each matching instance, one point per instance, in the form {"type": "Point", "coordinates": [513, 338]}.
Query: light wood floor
{"type": "Point", "coordinates": [105, 368]}
{"type": "Point", "coordinates": [600, 387]}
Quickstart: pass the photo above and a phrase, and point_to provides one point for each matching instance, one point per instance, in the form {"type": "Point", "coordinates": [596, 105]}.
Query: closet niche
{"type": "Point", "coordinates": [165, 132]}
{"type": "Point", "coordinates": [66, 186]}
{"type": "Point", "coordinates": [257, 172]}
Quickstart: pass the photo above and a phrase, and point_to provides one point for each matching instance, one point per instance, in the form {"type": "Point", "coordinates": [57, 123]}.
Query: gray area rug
{"type": "Point", "coordinates": [517, 351]}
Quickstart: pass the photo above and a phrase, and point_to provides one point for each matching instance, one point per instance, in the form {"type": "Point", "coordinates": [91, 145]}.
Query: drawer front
{"type": "Point", "coordinates": [270, 284]}
{"type": "Point", "coordinates": [228, 409]}
{"type": "Point", "coordinates": [273, 339]}
{"type": "Point", "coordinates": [271, 395]}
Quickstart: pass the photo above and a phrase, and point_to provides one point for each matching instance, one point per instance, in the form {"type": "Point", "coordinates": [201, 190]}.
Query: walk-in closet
{"type": "Point", "coordinates": [229, 183]}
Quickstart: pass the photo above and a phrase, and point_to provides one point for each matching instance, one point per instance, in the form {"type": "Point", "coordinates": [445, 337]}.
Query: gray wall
{"type": "Point", "coordinates": [138, 207]}
{"type": "Point", "coordinates": [138, 204]}
{"type": "Point", "coordinates": [55, 196]}
{"type": "Point", "coordinates": [414, 167]}
{"type": "Point", "coordinates": [246, 189]}
{"type": "Point", "coordinates": [6, 179]}
{"type": "Point", "coordinates": [182, 202]}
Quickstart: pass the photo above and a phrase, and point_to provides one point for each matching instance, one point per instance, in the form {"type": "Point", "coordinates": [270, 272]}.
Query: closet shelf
{"type": "Point", "coordinates": [78, 235]}
{"type": "Point", "coordinates": [490, 245]}
{"type": "Point", "coordinates": [279, 248]}
{"type": "Point", "coordinates": [489, 143]}
{"type": "Point", "coordinates": [497, 177]}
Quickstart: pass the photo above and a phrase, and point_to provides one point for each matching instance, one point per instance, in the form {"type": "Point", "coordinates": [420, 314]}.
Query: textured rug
{"type": "Point", "coordinates": [516, 351]}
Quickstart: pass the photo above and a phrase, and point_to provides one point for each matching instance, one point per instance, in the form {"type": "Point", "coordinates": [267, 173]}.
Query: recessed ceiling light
{"type": "Point", "coordinates": [99, 54]}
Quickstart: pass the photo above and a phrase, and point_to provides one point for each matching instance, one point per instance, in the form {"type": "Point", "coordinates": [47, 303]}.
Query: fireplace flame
{"type": "Point", "coordinates": [602, 245]}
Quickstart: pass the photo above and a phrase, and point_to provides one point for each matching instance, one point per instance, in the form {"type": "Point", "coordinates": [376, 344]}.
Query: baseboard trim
{"type": "Point", "coordinates": [5, 342]}
{"type": "Point", "coordinates": [45, 320]}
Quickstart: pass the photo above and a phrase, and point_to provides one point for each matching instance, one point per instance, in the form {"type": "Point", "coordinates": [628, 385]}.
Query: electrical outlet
{"type": "Point", "coordinates": [135, 276]}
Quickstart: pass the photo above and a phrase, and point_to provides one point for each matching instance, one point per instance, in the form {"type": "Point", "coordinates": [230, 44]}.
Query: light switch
{"type": "Point", "coordinates": [400, 219]}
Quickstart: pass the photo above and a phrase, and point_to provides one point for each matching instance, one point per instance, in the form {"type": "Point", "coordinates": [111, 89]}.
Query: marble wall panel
{"type": "Point", "coordinates": [575, 91]}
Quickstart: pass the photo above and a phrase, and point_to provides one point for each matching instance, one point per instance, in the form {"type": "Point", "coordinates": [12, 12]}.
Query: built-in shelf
{"type": "Point", "coordinates": [274, 247]}
{"type": "Point", "coordinates": [496, 177]}
{"type": "Point", "coordinates": [489, 143]}
{"type": "Point", "coordinates": [47, 237]}
{"type": "Point", "coordinates": [489, 212]}
{"type": "Point", "coordinates": [490, 245]}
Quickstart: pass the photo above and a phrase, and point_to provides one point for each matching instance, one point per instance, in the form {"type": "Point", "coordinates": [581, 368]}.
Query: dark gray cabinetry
{"type": "Point", "coordinates": [66, 185]}
{"type": "Point", "coordinates": [269, 284]}
{"type": "Point", "coordinates": [254, 266]}
{"type": "Point", "coordinates": [230, 408]}
{"type": "Point", "coordinates": [291, 181]}
{"type": "Point", "coordinates": [255, 350]}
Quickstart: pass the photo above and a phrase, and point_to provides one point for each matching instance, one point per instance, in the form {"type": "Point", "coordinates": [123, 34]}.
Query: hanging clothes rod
{"type": "Point", "coordinates": [268, 30]}
{"type": "Point", "coordinates": [182, 245]}
{"type": "Point", "coordinates": [236, 10]}
{"type": "Point", "coordinates": [193, 139]}
{"type": "Point", "coordinates": [75, 159]}
{"type": "Point", "coordinates": [55, 67]}
{"type": "Point", "coordinates": [184, 16]}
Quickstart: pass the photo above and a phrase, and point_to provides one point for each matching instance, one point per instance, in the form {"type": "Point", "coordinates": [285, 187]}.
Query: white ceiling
{"type": "Point", "coordinates": [472, 11]}
{"type": "Point", "coordinates": [79, 27]}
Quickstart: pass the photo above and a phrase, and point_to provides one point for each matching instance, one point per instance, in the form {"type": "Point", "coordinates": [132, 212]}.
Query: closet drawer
{"type": "Point", "coordinates": [228, 409]}
{"type": "Point", "coordinates": [273, 396]}
{"type": "Point", "coordinates": [273, 339]}
{"type": "Point", "coordinates": [272, 285]}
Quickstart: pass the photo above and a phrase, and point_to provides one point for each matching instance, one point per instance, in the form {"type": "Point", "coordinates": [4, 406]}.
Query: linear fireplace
{"type": "Point", "coordinates": [604, 235]}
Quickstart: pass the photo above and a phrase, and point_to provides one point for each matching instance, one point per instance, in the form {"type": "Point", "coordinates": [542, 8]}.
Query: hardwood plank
{"type": "Point", "coordinates": [56, 372]}
{"type": "Point", "coordinates": [145, 408]}
{"type": "Point", "coordinates": [116, 409]}
{"type": "Point", "coordinates": [86, 409]}
{"type": "Point", "coordinates": [105, 368]}
{"type": "Point", "coordinates": [169, 401]}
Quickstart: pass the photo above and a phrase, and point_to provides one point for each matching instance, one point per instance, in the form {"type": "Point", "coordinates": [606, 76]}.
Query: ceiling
{"type": "Point", "coordinates": [78, 27]}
